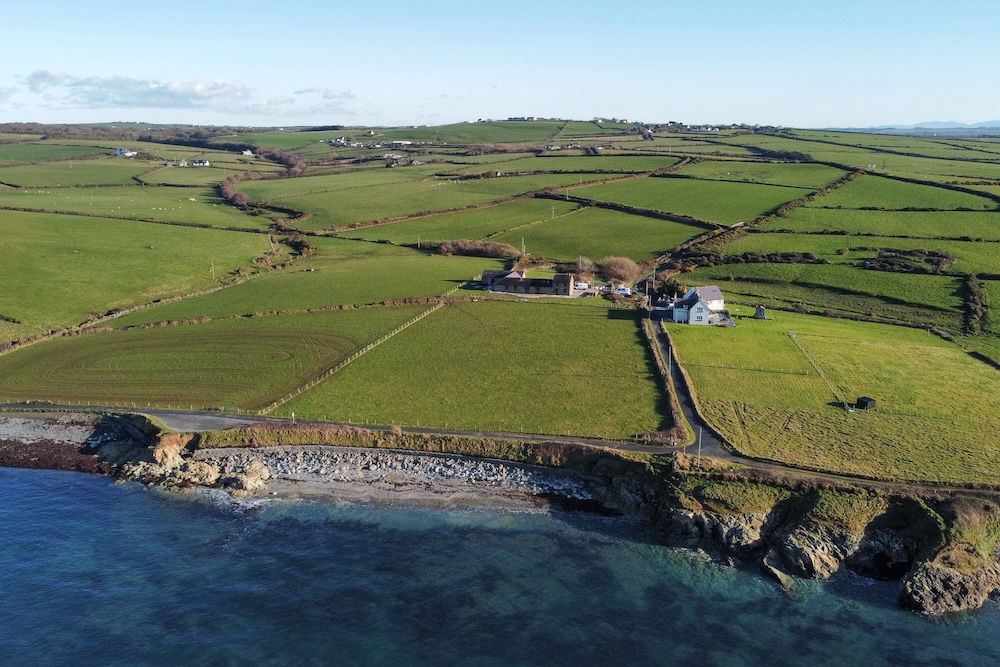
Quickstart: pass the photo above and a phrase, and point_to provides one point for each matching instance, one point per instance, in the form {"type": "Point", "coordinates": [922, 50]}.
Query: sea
{"type": "Point", "coordinates": [94, 572]}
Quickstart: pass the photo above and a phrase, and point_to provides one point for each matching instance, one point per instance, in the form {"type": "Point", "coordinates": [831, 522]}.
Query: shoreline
{"type": "Point", "coordinates": [322, 473]}
{"type": "Point", "coordinates": [941, 550]}
{"type": "Point", "coordinates": [400, 478]}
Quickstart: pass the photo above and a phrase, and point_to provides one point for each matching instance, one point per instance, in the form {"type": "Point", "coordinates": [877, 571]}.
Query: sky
{"type": "Point", "coordinates": [795, 63]}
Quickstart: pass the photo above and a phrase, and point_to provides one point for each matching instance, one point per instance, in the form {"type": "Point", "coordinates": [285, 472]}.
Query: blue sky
{"type": "Point", "coordinates": [796, 63]}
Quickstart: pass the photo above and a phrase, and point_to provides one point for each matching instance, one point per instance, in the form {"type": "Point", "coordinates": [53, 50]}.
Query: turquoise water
{"type": "Point", "coordinates": [97, 573]}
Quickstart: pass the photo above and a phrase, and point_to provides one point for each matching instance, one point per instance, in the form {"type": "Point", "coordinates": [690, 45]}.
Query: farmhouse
{"type": "Point", "coordinates": [198, 163]}
{"type": "Point", "coordinates": [126, 152]}
{"type": "Point", "coordinates": [701, 305]}
{"type": "Point", "coordinates": [517, 282]}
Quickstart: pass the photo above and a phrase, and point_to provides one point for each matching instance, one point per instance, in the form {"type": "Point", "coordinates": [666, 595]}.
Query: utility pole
{"type": "Point", "coordinates": [699, 447]}
{"type": "Point", "coordinates": [213, 270]}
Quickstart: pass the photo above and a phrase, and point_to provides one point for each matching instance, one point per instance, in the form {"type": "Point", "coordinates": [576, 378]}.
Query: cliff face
{"type": "Point", "coordinates": [943, 550]}
{"type": "Point", "coordinates": [815, 534]}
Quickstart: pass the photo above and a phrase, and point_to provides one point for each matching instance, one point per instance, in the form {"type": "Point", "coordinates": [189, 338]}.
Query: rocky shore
{"type": "Point", "coordinates": [942, 550]}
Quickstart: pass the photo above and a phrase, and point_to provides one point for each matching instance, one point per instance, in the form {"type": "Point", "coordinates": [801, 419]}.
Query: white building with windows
{"type": "Point", "coordinates": [701, 305]}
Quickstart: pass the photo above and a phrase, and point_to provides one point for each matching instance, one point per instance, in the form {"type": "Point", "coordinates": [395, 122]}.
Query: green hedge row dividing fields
{"type": "Point", "coordinates": [320, 282]}
{"type": "Point", "coordinates": [886, 193]}
{"type": "Point", "coordinates": [280, 189]}
{"type": "Point", "coordinates": [715, 201]}
{"type": "Point", "coordinates": [584, 163]}
{"type": "Point", "coordinates": [193, 206]}
{"type": "Point", "coordinates": [475, 224]}
{"type": "Point", "coordinates": [918, 224]}
{"type": "Point", "coordinates": [895, 296]}
{"type": "Point", "coordinates": [507, 366]}
{"type": "Point", "coordinates": [973, 257]}
{"type": "Point", "coordinates": [65, 173]}
{"type": "Point", "coordinates": [59, 269]}
{"type": "Point", "coordinates": [359, 205]}
{"type": "Point", "coordinates": [245, 363]}
{"type": "Point", "coordinates": [597, 232]}
{"type": "Point", "coordinates": [13, 154]}
{"type": "Point", "coordinates": [750, 383]}
{"type": "Point", "coordinates": [805, 175]}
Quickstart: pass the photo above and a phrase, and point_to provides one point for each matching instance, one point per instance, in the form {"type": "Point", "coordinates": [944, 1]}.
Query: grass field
{"type": "Point", "coordinates": [244, 363]}
{"type": "Point", "coordinates": [973, 257]}
{"type": "Point", "coordinates": [58, 269]}
{"type": "Point", "coordinates": [188, 205]}
{"type": "Point", "coordinates": [725, 203]}
{"type": "Point", "coordinates": [917, 224]}
{"type": "Point", "coordinates": [497, 132]}
{"type": "Point", "coordinates": [597, 233]}
{"type": "Point", "coordinates": [567, 370]}
{"type": "Point", "coordinates": [12, 154]}
{"type": "Point", "coordinates": [281, 189]}
{"type": "Point", "coordinates": [585, 163]}
{"type": "Point", "coordinates": [475, 224]}
{"type": "Point", "coordinates": [346, 207]}
{"type": "Point", "coordinates": [813, 176]}
{"type": "Point", "coordinates": [765, 394]}
{"type": "Point", "coordinates": [319, 281]}
{"type": "Point", "coordinates": [895, 296]}
{"type": "Point", "coordinates": [886, 193]}
{"type": "Point", "coordinates": [104, 171]}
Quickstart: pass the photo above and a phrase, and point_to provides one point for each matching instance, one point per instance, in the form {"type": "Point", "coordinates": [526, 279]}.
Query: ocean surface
{"type": "Point", "coordinates": [98, 573]}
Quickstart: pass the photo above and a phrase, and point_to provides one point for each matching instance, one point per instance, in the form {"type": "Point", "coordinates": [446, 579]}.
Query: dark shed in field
{"type": "Point", "coordinates": [865, 403]}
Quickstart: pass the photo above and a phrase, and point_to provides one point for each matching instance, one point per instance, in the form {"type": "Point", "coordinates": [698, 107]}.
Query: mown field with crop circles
{"type": "Point", "coordinates": [254, 283]}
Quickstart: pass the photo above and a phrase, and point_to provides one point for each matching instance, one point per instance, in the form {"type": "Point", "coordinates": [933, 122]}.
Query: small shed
{"type": "Point", "coordinates": [760, 313]}
{"type": "Point", "coordinates": [865, 403]}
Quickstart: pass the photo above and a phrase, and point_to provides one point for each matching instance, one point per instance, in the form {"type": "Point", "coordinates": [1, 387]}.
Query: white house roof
{"type": "Point", "coordinates": [705, 293]}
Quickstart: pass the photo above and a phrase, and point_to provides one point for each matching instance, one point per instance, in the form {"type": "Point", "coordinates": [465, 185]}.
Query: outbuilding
{"type": "Point", "coordinates": [865, 403]}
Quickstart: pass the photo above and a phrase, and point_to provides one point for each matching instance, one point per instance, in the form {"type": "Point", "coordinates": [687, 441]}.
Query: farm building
{"type": "Point", "coordinates": [125, 152]}
{"type": "Point", "coordinates": [198, 163]}
{"type": "Point", "coordinates": [701, 305]}
{"type": "Point", "coordinates": [517, 282]}
{"type": "Point", "coordinates": [865, 403]}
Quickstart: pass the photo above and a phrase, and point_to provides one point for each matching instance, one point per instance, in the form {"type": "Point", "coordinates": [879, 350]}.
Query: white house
{"type": "Point", "coordinates": [701, 305]}
{"type": "Point", "coordinates": [126, 152]}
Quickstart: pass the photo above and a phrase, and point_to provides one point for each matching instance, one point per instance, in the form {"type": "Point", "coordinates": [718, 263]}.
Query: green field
{"type": "Point", "coordinates": [813, 176]}
{"type": "Point", "coordinates": [569, 370]}
{"type": "Point", "coordinates": [584, 163]}
{"type": "Point", "coordinates": [543, 365]}
{"type": "Point", "coordinates": [245, 363]}
{"type": "Point", "coordinates": [12, 154]}
{"type": "Point", "coordinates": [494, 132]}
{"type": "Point", "coordinates": [474, 224]}
{"type": "Point", "coordinates": [350, 206]}
{"type": "Point", "coordinates": [59, 270]}
{"type": "Point", "coordinates": [64, 173]}
{"type": "Point", "coordinates": [725, 203]}
{"type": "Point", "coordinates": [845, 289]}
{"type": "Point", "coordinates": [972, 257]}
{"type": "Point", "coordinates": [763, 393]}
{"type": "Point", "coordinates": [886, 193]}
{"type": "Point", "coordinates": [321, 280]}
{"type": "Point", "coordinates": [596, 232]}
{"type": "Point", "coordinates": [917, 224]}
{"type": "Point", "coordinates": [202, 206]}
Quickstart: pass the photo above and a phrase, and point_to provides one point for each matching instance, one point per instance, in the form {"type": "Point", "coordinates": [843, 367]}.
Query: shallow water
{"type": "Point", "coordinates": [96, 573]}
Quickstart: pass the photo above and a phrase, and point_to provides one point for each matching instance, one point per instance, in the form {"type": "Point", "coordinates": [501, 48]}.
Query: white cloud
{"type": "Point", "coordinates": [58, 90]}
